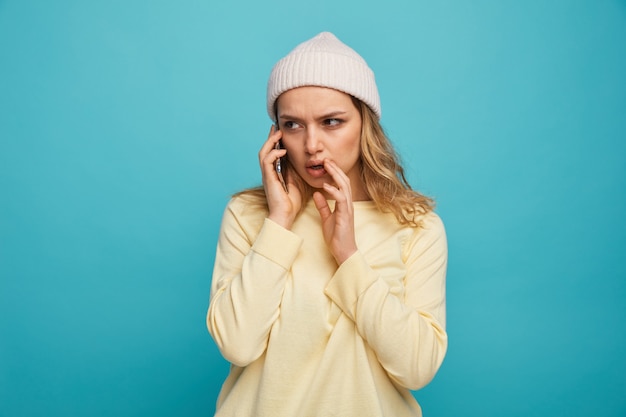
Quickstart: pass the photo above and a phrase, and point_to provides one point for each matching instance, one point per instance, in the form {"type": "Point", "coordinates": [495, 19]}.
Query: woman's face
{"type": "Point", "coordinates": [321, 123]}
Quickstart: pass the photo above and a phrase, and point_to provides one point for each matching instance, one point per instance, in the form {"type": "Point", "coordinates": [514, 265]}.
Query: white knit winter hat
{"type": "Point", "coordinates": [323, 61]}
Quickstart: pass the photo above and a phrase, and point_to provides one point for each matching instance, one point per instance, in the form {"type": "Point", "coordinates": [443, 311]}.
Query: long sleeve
{"type": "Point", "coordinates": [405, 328]}
{"type": "Point", "coordinates": [310, 338]}
{"type": "Point", "coordinates": [248, 282]}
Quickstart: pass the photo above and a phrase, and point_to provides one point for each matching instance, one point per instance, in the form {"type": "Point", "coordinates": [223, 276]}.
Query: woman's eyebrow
{"type": "Point", "coordinates": [332, 114]}
{"type": "Point", "coordinates": [288, 116]}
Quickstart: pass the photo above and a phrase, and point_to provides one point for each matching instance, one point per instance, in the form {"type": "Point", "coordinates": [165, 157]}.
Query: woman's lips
{"type": "Point", "coordinates": [316, 170]}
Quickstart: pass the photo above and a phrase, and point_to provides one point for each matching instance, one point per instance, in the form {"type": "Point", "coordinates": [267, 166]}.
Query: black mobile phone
{"type": "Point", "coordinates": [281, 164]}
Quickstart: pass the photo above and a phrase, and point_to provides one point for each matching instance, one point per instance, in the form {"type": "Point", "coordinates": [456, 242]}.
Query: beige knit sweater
{"type": "Point", "coordinates": [309, 338]}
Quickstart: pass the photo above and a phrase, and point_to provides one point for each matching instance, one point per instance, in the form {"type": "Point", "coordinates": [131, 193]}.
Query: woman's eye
{"type": "Point", "coordinates": [291, 125]}
{"type": "Point", "coordinates": [332, 122]}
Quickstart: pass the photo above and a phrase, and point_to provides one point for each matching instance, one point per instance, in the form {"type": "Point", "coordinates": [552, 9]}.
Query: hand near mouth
{"type": "Point", "coordinates": [337, 225]}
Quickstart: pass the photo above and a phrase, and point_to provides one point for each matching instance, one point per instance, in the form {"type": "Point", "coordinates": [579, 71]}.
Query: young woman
{"type": "Point", "coordinates": [328, 293]}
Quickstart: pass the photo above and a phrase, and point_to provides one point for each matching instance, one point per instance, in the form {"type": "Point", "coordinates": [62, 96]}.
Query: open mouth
{"type": "Point", "coordinates": [316, 169]}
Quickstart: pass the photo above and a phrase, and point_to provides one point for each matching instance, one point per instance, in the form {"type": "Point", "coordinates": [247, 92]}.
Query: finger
{"type": "Point", "coordinates": [268, 163]}
{"type": "Point", "coordinates": [342, 182]}
{"type": "Point", "coordinates": [322, 206]}
{"type": "Point", "coordinates": [273, 155]}
{"type": "Point", "coordinates": [272, 139]}
{"type": "Point", "coordinates": [335, 194]}
{"type": "Point", "coordinates": [341, 179]}
{"type": "Point", "coordinates": [268, 153]}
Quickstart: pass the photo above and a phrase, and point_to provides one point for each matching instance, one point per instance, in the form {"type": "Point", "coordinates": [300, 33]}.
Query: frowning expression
{"type": "Point", "coordinates": [321, 123]}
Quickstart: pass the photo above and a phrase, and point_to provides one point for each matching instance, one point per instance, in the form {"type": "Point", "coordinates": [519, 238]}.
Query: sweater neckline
{"type": "Point", "coordinates": [363, 205]}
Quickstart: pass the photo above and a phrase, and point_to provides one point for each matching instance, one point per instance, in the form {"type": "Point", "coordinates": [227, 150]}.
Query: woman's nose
{"type": "Point", "coordinates": [312, 143]}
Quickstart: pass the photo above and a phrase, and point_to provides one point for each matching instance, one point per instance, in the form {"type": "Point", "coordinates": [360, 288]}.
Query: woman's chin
{"type": "Point", "coordinates": [317, 184]}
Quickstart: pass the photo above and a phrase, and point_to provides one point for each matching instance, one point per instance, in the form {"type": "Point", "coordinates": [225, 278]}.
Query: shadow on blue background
{"type": "Point", "coordinates": [124, 127]}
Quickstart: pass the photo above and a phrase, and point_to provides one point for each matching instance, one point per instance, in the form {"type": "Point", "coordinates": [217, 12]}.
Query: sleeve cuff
{"type": "Point", "coordinates": [277, 244]}
{"type": "Point", "coordinates": [353, 277]}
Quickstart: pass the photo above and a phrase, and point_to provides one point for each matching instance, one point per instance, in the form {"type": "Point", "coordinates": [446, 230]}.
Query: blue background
{"type": "Point", "coordinates": [126, 125]}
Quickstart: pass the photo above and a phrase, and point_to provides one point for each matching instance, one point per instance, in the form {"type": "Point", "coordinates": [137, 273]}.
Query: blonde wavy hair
{"type": "Point", "coordinates": [381, 171]}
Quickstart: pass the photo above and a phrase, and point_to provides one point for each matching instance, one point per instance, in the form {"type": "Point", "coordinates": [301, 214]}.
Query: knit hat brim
{"type": "Point", "coordinates": [323, 61]}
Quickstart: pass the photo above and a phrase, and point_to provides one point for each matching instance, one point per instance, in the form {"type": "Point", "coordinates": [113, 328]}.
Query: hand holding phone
{"type": "Point", "coordinates": [284, 202]}
{"type": "Point", "coordinates": [280, 166]}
